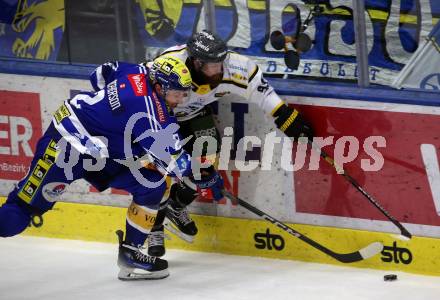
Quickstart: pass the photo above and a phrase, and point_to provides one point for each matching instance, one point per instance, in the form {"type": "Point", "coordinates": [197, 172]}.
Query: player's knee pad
{"type": "Point", "coordinates": [14, 219]}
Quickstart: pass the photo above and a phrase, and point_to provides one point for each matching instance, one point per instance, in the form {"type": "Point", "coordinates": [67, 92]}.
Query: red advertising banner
{"type": "Point", "coordinates": [407, 185]}
{"type": "Point", "coordinates": [20, 129]}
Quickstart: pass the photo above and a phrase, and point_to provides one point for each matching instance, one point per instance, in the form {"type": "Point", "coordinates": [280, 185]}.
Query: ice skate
{"type": "Point", "coordinates": [179, 222]}
{"type": "Point", "coordinates": [134, 265]}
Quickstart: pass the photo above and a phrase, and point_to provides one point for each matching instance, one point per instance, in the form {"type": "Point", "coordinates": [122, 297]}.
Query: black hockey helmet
{"type": "Point", "coordinates": [207, 47]}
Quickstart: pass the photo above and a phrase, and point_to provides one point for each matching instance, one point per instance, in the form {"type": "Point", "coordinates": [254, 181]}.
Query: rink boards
{"type": "Point", "coordinates": [248, 237]}
{"type": "Point", "coordinates": [320, 202]}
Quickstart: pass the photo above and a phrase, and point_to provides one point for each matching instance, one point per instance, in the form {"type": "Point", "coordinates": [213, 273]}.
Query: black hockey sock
{"type": "Point", "coordinates": [161, 215]}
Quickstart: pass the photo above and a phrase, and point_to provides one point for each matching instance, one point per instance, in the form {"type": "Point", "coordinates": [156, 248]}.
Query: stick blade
{"type": "Point", "coordinates": [362, 254]}
{"type": "Point", "coordinates": [406, 235]}
{"type": "Point", "coordinates": [371, 250]}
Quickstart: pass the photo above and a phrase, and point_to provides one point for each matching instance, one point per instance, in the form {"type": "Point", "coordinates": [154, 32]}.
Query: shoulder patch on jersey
{"type": "Point", "coordinates": [237, 67]}
{"type": "Point", "coordinates": [238, 76]}
{"type": "Point", "coordinates": [138, 84]}
{"type": "Point", "coordinates": [61, 113]}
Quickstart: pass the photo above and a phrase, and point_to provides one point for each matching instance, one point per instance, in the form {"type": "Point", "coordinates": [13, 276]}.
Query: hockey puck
{"type": "Point", "coordinates": [390, 277]}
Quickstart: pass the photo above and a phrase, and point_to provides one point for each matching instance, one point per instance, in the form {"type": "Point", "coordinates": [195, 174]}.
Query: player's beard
{"type": "Point", "coordinates": [214, 80]}
{"type": "Point", "coordinates": [199, 77]}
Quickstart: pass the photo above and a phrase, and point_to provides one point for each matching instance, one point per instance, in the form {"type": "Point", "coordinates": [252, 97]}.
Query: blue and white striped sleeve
{"type": "Point", "coordinates": [103, 74]}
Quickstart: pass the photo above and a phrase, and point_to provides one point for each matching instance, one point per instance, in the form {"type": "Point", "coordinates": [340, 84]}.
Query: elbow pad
{"type": "Point", "coordinates": [292, 123]}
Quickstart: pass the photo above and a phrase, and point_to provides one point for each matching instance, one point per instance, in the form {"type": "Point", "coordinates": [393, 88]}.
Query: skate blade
{"type": "Point", "coordinates": [130, 274]}
{"type": "Point", "coordinates": [187, 238]}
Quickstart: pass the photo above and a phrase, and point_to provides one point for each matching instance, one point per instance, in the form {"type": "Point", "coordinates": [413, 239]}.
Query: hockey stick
{"type": "Point", "coordinates": [403, 231]}
{"type": "Point", "coordinates": [364, 253]}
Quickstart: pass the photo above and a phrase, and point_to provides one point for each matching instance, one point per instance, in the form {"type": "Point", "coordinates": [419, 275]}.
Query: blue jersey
{"type": "Point", "coordinates": [125, 104]}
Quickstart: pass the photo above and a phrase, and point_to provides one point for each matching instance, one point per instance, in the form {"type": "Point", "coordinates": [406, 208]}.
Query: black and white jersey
{"type": "Point", "coordinates": [241, 78]}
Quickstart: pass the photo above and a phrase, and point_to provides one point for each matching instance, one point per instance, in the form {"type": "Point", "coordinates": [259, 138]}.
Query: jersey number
{"type": "Point", "coordinates": [264, 86]}
{"type": "Point", "coordinates": [75, 101]}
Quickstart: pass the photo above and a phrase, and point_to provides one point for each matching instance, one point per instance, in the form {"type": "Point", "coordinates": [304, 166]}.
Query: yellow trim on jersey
{"type": "Point", "coordinates": [254, 72]}
{"type": "Point", "coordinates": [30, 187]}
{"type": "Point", "coordinates": [61, 113]}
{"type": "Point", "coordinates": [51, 153]}
{"type": "Point", "coordinates": [234, 82]}
{"type": "Point", "coordinates": [289, 121]}
{"type": "Point", "coordinates": [276, 108]}
{"type": "Point", "coordinates": [202, 89]}
{"type": "Point", "coordinates": [32, 184]}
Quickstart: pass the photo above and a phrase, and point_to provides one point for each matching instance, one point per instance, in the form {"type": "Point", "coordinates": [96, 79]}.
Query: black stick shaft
{"type": "Point", "coordinates": [342, 257]}
{"type": "Point", "coordinates": [354, 183]}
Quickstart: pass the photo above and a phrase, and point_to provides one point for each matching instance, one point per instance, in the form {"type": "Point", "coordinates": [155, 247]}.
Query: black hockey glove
{"type": "Point", "coordinates": [292, 123]}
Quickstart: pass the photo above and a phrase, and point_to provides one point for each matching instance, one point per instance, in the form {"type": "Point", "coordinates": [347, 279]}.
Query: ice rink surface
{"type": "Point", "coordinates": [41, 268]}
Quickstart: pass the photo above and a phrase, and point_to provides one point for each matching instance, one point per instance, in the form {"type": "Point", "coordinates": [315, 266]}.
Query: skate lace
{"type": "Point", "coordinates": [156, 238]}
{"type": "Point", "coordinates": [144, 258]}
{"type": "Point", "coordinates": [182, 216]}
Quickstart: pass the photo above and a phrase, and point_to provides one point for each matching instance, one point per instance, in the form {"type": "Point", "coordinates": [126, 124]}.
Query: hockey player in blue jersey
{"type": "Point", "coordinates": [123, 136]}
